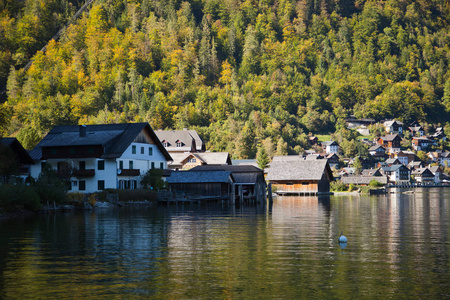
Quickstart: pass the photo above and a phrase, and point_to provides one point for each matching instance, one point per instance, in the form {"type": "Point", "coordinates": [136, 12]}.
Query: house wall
{"type": "Point", "coordinates": [296, 187]}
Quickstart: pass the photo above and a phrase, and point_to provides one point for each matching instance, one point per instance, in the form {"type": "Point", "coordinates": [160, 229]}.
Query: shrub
{"type": "Point", "coordinates": [338, 186]}
{"type": "Point", "coordinates": [375, 184]}
{"type": "Point", "coordinates": [17, 197]}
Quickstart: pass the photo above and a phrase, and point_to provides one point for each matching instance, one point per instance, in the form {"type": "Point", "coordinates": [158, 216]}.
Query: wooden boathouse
{"type": "Point", "coordinates": [297, 176]}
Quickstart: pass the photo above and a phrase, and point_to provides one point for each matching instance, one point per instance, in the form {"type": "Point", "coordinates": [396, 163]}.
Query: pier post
{"type": "Point", "coordinates": [269, 192]}
{"type": "Point", "coordinates": [241, 194]}
{"type": "Point", "coordinates": [233, 194]}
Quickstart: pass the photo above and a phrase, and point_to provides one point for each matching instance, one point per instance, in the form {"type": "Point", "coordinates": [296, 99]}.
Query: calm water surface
{"type": "Point", "coordinates": [399, 247]}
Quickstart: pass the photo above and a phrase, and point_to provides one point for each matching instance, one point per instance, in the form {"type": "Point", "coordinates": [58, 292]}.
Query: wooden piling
{"type": "Point", "coordinates": [269, 192]}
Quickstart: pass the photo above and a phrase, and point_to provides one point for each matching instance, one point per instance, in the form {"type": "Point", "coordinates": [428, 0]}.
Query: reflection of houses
{"type": "Point", "coordinates": [186, 161]}
{"type": "Point", "coordinates": [181, 140]}
{"type": "Point", "coordinates": [330, 147]}
{"type": "Point", "coordinates": [298, 176]}
{"type": "Point", "coordinates": [423, 176]}
{"type": "Point", "coordinates": [22, 157]}
{"type": "Point", "coordinates": [98, 157]}
{"type": "Point", "coordinates": [393, 127]}
{"type": "Point", "coordinates": [397, 173]}
{"type": "Point", "coordinates": [421, 143]}
{"type": "Point", "coordinates": [390, 142]}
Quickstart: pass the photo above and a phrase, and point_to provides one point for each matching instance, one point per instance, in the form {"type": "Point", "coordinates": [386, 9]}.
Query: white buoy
{"type": "Point", "coordinates": [342, 238]}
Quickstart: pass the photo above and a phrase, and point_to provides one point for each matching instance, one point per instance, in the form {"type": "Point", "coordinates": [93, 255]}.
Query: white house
{"type": "Point", "coordinates": [98, 157]}
{"type": "Point", "coordinates": [393, 127]}
{"type": "Point", "coordinates": [330, 147]}
{"type": "Point", "coordinates": [397, 173]}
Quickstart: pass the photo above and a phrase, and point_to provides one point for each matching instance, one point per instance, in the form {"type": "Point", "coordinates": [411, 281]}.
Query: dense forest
{"type": "Point", "coordinates": [246, 75]}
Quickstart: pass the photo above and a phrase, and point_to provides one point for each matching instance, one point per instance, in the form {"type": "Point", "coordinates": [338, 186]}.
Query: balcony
{"type": "Point", "coordinates": [128, 172]}
{"type": "Point", "coordinates": [84, 173]}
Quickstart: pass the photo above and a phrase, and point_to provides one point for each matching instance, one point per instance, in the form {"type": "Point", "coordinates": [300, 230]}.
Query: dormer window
{"type": "Point", "coordinates": [179, 143]}
{"type": "Point", "coordinates": [165, 144]}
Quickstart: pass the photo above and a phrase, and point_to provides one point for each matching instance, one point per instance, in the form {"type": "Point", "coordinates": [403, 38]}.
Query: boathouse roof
{"type": "Point", "coordinates": [299, 170]}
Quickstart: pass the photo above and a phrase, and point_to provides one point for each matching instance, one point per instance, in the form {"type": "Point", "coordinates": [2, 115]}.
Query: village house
{"type": "Point", "coordinates": [23, 159]}
{"type": "Point", "coordinates": [445, 159]}
{"type": "Point", "coordinates": [298, 176]}
{"type": "Point", "coordinates": [98, 157]}
{"type": "Point", "coordinates": [378, 152]}
{"type": "Point", "coordinates": [330, 147]}
{"type": "Point", "coordinates": [416, 165]}
{"type": "Point", "coordinates": [393, 127]}
{"type": "Point", "coordinates": [181, 141]}
{"type": "Point", "coordinates": [398, 174]}
{"type": "Point", "coordinates": [421, 143]}
{"type": "Point", "coordinates": [313, 140]}
{"type": "Point", "coordinates": [333, 160]}
{"type": "Point", "coordinates": [188, 160]}
{"type": "Point", "coordinates": [416, 130]}
{"type": "Point", "coordinates": [405, 157]}
{"type": "Point", "coordinates": [439, 134]}
{"type": "Point", "coordinates": [438, 173]}
{"type": "Point", "coordinates": [390, 142]}
{"type": "Point", "coordinates": [423, 176]}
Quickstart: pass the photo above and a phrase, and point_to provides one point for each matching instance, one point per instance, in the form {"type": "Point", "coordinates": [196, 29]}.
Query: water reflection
{"type": "Point", "coordinates": [398, 244]}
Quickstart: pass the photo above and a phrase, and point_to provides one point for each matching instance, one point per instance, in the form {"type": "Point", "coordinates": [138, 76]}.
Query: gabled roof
{"type": "Point", "coordinates": [329, 143]}
{"type": "Point", "coordinates": [287, 158]}
{"type": "Point", "coordinates": [20, 152]}
{"type": "Point", "coordinates": [371, 172]}
{"type": "Point", "coordinates": [390, 137]}
{"type": "Point", "coordinates": [435, 169]}
{"type": "Point", "coordinates": [422, 172]}
{"type": "Point", "coordinates": [241, 173]}
{"type": "Point", "coordinates": [189, 139]}
{"type": "Point", "coordinates": [200, 177]}
{"type": "Point", "coordinates": [393, 168]}
{"type": "Point", "coordinates": [392, 122]}
{"type": "Point", "coordinates": [392, 161]}
{"type": "Point", "coordinates": [299, 170]}
{"type": "Point", "coordinates": [115, 138]}
{"type": "Point", "coordinates": [376, 147]}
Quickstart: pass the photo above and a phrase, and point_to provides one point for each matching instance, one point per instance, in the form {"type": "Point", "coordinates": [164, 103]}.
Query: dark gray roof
{"type": "Point", "coordinates": [298, 170]}
{"type": "Point", "coordinates": [288, 158]}
{"type": "Point", "coordinates": [390, 137]}
{"type": "Point", "coordinates": [7, 141]}
{"type": "Point", "coordinates": [21, 154]}
{"type": "Point", "coordinates": [115, 138]}
{"type": "Point", "coordinates": [393, 168]}
{"type": "Point", "coordinates": [375, 147]}
{"type": "Point", "coordinates": [200, 177]}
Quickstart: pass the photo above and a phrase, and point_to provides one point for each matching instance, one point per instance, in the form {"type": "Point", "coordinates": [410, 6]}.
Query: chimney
{"type": "Point", "coordinates": [82, 130]}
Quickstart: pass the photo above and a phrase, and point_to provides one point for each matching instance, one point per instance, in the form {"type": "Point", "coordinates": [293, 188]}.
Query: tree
{"type": "Point", "coordinates": [357, 165]}
{"type": "Point", "coordinates": [152, 179]}
{"type": "Point", "coordinates": [262, 158]}
{"type": "Point", "coordinates": [8, 164]}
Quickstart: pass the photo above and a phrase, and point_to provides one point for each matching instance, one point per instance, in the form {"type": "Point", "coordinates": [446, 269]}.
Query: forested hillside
{"type": "Point", "coordinates": [244, 74]}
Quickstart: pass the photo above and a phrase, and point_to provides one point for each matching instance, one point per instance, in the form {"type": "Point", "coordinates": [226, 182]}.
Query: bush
{"type": "Point", "coordinates": [338, 186]}
{"type": "Point", "coordinates": [17, 197]}
{"type": "Point", "coordinates": [375, 184]}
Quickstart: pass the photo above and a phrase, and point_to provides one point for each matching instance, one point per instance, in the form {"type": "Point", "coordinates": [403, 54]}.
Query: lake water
{"type": "Point", "coordinates": [398, 247]}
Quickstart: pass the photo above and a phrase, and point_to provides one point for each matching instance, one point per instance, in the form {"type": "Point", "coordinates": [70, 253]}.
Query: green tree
{"type": "Point", "coordinates": [262, 158]}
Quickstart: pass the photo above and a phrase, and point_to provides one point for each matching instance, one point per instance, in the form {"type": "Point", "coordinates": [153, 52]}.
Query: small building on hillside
{"type": "Point", "coordinates": [378, 152]}
{"type": "Point", "coordinates": [298, 176]}
{"type": "Point", "coordinates": [438, 173]}
{"type": "Point", "coordinates": [333, 160]}
{"type": "Point", "coordinates": [416, 130]}
{"type": "Point", "coordinates": [405, 157]}
{"type": "Point", "coordinates": [330, 147]}
{"type": "Point", "coordinates": [390, 142]}
{"type": "Point", "coordinates": [421, 143]}
{"type": "Point", "coordinates": [393, 127]}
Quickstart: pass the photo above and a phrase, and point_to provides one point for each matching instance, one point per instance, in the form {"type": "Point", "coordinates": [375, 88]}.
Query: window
{"type": "Point", "coordinates": [150, 151]}
{"type": "Point", "coordinates": [82, 165]}
{"type": "Point", "coordinates": [305, 183]}
{"type": "Point", "coordinates": [131, 164]}
{"type": "Point", "coordinates": [72, 150]}
{"type": "Point", "coordinates": [179, 144]}
{"type": "Point", "coordinates": [161, 165]}
{"type": "Point", "coordinates": [153, 164]}
{"type": "Point", "coordinates": [121, 164]}
{"type": "Point", "coordinates": [142, 150]}
{"type": "Point", "coordinates": [91, 149]}
{"type": "Point", "coordinates": [82, 185]}
{"type": "Point", "coordinates": [101, 165]}
{"type": "Point", "coordinates": [101, 185]}
{"type": "Point", "coordinates": [133, 149]}
{"type": "Point", "coordinates": [53, 151]}
{"type": "Point", "coordinates": [69, 185]}
{"type": "Point", "coordinates": [165, 144]}
{"type": "Point", "coordinates": [192, 160]}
